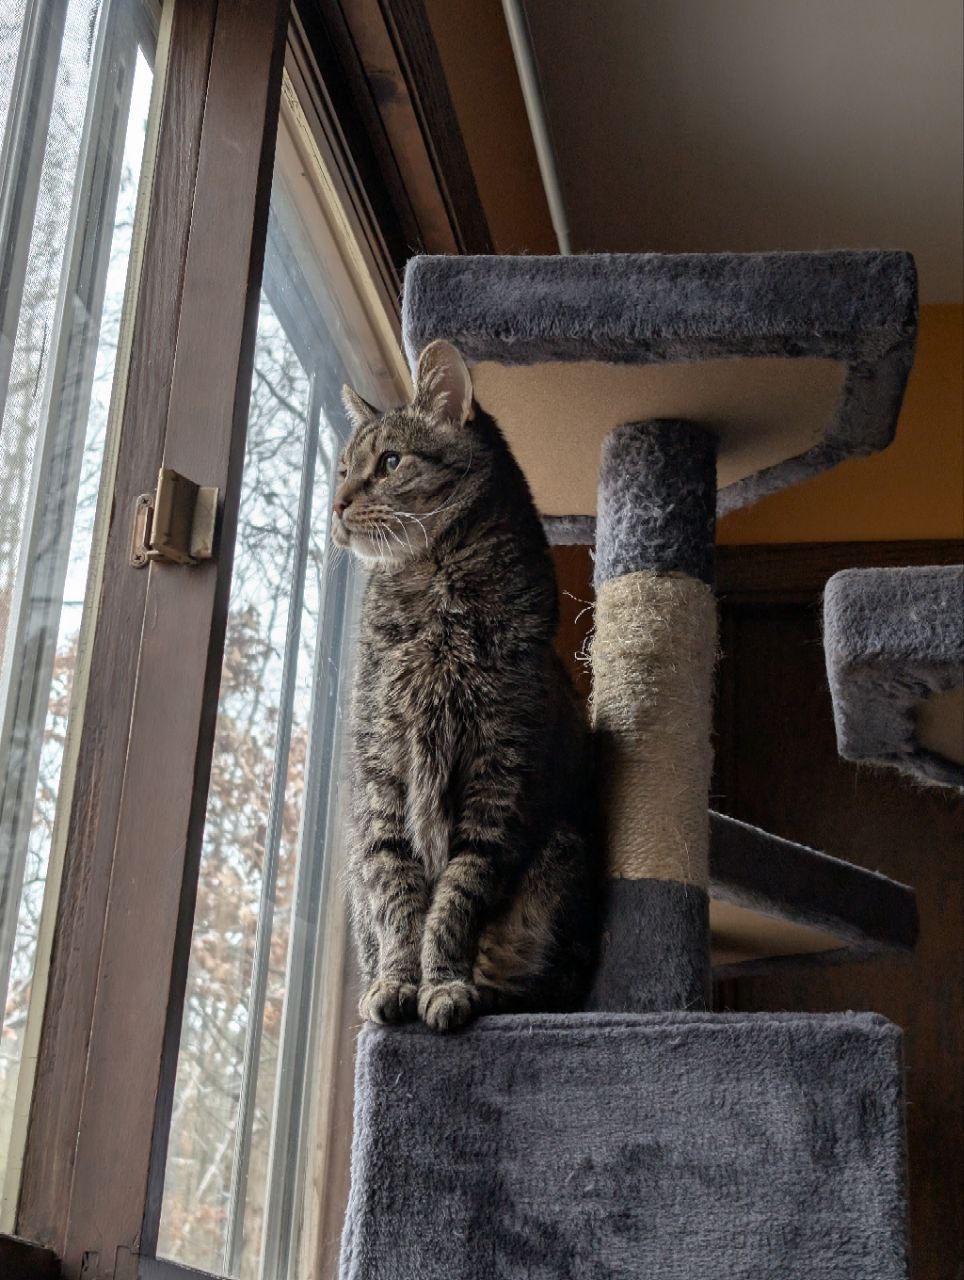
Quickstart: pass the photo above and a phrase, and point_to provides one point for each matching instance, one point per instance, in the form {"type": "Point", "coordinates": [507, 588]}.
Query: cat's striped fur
{"type": "Point", "coordinates": [473, 877]}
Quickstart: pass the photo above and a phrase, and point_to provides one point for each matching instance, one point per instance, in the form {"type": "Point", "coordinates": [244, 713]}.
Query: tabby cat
{"type": "Point", "coordinates": [473, 881]}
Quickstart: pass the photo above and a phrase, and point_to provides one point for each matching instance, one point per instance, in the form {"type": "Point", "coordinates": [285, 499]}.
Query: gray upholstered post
{"type": "Point", "coordinates": [653, 654]}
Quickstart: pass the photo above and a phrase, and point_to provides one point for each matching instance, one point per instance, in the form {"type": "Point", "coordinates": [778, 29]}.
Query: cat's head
{"type": "Point", "coordinates": [408, 473]}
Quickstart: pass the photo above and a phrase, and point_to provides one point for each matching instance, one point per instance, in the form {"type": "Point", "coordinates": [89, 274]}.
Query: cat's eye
{"type": "Point", "coordinates": [390, 462]}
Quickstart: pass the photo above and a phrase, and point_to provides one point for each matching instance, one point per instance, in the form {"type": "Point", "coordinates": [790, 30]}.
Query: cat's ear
{"type": "Point", "coordinates": [359, 411]}
{"type": "Point", "coordinates": [443, 388]}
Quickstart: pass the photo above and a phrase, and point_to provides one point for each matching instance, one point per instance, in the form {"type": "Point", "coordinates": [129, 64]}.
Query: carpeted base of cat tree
{"type": "Point", "coordinates": [894, 642]}
{"type": "Point", "coordinates": [663, 1146]}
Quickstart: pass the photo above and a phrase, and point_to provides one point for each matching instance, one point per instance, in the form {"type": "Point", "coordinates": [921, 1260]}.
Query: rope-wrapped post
{"type": "Point", "coordinates": [653, 654]}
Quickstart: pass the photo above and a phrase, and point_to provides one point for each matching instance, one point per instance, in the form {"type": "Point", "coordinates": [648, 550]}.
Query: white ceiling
{"type": "Point", "coordinates": [759, 124]}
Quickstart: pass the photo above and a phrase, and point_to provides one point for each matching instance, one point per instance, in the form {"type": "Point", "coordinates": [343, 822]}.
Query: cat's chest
{"type": "Point", "coordinates": [428, 691]}
{"type": "Point", "coordinates": [436, 664]}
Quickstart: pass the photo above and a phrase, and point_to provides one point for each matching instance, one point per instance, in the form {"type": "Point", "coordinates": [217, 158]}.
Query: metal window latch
{"type": "Point", "coordinates": [175, 523]}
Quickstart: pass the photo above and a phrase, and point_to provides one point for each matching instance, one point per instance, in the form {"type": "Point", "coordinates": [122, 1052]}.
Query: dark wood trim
{"type": "Point", "coordinates": [431, 102]}
{"type": "Point", "coordinates": [165, 1269]}
{"type": "Point", "coordinates": [23, 1260]}
{"type": "Point", "coordinates": [329, 75]}
{"type": "Point", "coordinates": [379, 62]}
{"type": "Point", "coordinates": [56, 1105]}
{"type": "Point", "coordinates": [795, 571]}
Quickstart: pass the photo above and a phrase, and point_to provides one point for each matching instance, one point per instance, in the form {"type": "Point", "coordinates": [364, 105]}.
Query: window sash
{"type": "Point", "coordinates": [124, 27]}
{"type": "Point", "coordinates": [31, 628]}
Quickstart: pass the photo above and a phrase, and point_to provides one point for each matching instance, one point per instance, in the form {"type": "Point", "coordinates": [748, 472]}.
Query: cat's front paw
{"type": "Point", "coordinates": [386, 1001]}
{"type": "Point", "coordinates": [447, 1006]}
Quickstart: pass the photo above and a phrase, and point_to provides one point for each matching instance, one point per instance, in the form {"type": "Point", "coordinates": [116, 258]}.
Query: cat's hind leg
{"type": "Point", "coordinates": [536, 956]}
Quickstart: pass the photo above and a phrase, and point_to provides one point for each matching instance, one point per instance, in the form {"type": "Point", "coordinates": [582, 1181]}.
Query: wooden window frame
{"type": "Point", "coordinates": [90, 1192]}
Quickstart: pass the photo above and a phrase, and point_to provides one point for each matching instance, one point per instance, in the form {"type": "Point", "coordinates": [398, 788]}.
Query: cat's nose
{"type": "Point", "coordinates": [342, 503]}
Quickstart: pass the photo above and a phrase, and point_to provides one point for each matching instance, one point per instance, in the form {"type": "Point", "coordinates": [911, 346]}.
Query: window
{"type": "Point", "coordinates": [176, 1058]}
{"type": "Point", "coordinates": [267, 973]}
{"type": "Point", "coordinates": [77, 81]}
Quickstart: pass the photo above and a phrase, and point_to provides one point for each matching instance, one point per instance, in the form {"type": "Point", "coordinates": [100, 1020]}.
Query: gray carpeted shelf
{"type": "Point", "coordinates": [817, 909]}
{"type": "Point", "coordinates": [894, 643]}
{"type": "Point", "coordinates": [856, 310]}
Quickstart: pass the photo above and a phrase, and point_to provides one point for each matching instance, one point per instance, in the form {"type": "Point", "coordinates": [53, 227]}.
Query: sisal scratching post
{"type": "Point", "coordinates": [652, 659]}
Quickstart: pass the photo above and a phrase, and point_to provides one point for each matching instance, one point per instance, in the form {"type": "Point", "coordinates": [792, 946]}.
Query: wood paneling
{"type": "Point", "coordinates": [779, 768]}
{"type": "Point", "coordinates": [799, 571]}
{"type": "Point", "coordinates": [22, 1260]}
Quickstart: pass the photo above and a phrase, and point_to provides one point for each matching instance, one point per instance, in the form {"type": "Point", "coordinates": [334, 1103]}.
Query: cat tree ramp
{"type": "Point", "coordinates": [647, 1137]}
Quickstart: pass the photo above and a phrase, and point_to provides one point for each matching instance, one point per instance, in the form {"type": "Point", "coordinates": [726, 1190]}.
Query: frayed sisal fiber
{"type": "Point", "coordinates": [653, 655]}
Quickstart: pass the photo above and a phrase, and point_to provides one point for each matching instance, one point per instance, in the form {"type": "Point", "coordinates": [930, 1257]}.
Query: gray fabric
{"type": "Point", "coordinates": [570, 531]}
{"type": "Point", "coordinates": [663, 1147]}
{"type": "Point", "coordinates": [891, 638]}
{"type": "Point", "coordinates": [655, 951]}
{"type": "Point", "coordinates": [657, 501]}
{"type": "Point", "coordinates": [856, 307]}
{"type": "Point", "coordinates": [754, 869]}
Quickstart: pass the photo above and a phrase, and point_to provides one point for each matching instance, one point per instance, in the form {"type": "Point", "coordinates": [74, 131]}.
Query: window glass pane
{"type": "Point", "coordinates": [73, 146]}
{"type": "Point", "coordinates": [11, 29]}
{"type": "Point", "coordinates": [268, 931]}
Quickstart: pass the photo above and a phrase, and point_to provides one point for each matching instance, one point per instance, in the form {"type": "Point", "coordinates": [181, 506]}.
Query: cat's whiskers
{"type": "Point", "coordinates": [381, 541]}
{"type": "Point", "coordinates": [391, 532]}
{"type": "Point", "coordinates": [410, 515]}
{"type": "Point", "coordinates": [455, 488]}
{"type": "Point", "coordinates": [404, 529]}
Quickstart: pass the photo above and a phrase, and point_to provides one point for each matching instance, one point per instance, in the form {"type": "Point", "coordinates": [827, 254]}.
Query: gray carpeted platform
{"type": "Point", "coordinates": [858, 308]}
{"type": "Point", "coordinates": [894, 643]}
{"type": "Point", "coordinates": [663, 1147]}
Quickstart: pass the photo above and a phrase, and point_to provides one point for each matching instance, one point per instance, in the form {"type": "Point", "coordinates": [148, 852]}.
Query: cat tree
{"type": "Point", "coordinates": [647, 1137]}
